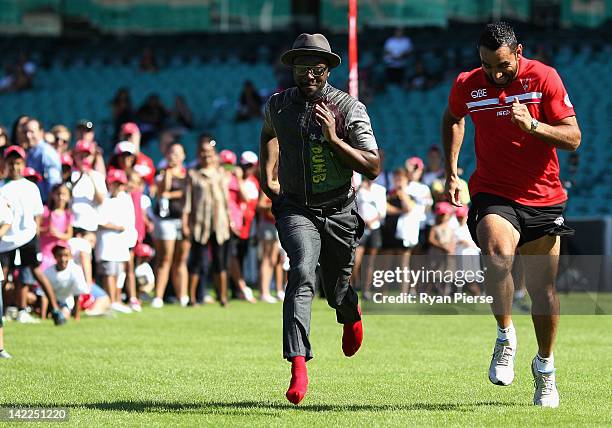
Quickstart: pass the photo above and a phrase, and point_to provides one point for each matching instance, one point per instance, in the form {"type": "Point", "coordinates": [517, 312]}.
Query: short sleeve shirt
{"type": "Point", "coordinates": [512, 163]}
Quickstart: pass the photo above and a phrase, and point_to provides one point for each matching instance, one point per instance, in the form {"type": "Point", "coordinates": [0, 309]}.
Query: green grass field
{"type": "Point", "coordinates": [209, 366]}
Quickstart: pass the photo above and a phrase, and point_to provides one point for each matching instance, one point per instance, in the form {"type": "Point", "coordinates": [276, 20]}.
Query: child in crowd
{"type": "Point", "coordinates": [6, 218]}
{"type": "Point", "coordinates": [20, 246]}
{"type": "Point", "coordinates": [56, 224]}
{"type": "Point", "coordinates": [145, 278]}
{"type": "Point", "coordinates": [441, 242]}
{"type": "Point", "coordinates": [115, 236]}
{"type": "Point", "coordinates": [466, 249]}
{"type": "Point", "coordinates": [67, 280]}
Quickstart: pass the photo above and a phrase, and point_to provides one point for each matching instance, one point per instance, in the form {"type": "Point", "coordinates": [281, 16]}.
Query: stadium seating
{"type": "Point", "coordinates": [79, 83]}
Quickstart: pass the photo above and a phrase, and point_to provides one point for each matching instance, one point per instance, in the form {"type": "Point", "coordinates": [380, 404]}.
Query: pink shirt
{"type": "Point", "coordinates": [60, 222]}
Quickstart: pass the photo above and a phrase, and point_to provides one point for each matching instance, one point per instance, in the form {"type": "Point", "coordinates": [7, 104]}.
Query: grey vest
{"type": "Point", "coordinates": [308, 167]}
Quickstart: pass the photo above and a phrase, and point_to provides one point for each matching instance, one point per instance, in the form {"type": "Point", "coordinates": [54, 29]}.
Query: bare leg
{"type": "Point", "coordinates": [498, 240]}
{"type": "Point", "coordinates": [266, 267]}
{"type": "Point", "coordinates": [109, 282]}
{"type": "Point", "coordinates": [130, 278]}
{"type": "Point", "coordinates": [180, 277]}
{"type": "Point", "coordinates": [194, 279]}
{"type": "Point", "coordinates": [356, 279]}
{"type": "Point", "coordinates": [540, 260]}
{"type": "Point", "coordinates": [165, 252]}
{"type": "Point", "coordinates": [221, 280]}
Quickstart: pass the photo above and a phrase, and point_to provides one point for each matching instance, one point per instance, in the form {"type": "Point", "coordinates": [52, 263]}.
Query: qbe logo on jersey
{"type": "Point", "coordinates": [478, 93]}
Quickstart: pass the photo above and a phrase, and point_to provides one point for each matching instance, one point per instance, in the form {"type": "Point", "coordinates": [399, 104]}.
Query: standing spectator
{"type": "Point", "coordinates": [26, 204]}
{"type": "Point", "coordinates": [396, 51]}
{"type": "Point", "coordinates": [6, 219]}
{"type": "Point", "coordinates": [242, 198]}
{"type": "Point", "coordinates": [270, 250]}
{"type": "Point", "coordinates": [250, 102]}
{"type": "Point", "coordinates": [115, 236]}
{"type": "Point", "coordinates": [398, 238]}
{"type": "Point", "coordinates": [62, 139]}
{"type": "Point", "coordinates": [206, 220]}
{"type": "Point", "coordinates": [56, 224]}
{"type": "Point", "coordinates": [172, 248]}
{"type": "Point", "coordinates": [67, 280]}
{"type": "Point", "coordinates": [372, 206]}
{"type": "Point", "coordinates": [85, 131]}
{"type": "Point", "coordinates": [466, 249]}
{"type": "Point", "coordinates": [441, 243]}
{"type": "Point", "coordinates": [420, 193]}
{"type": "Point", "coordinates": [42, 157]}
{"type": "Point", "coordinates": [435, 168]}
{"type": "Point", "coordinates": [67, 163]}
{"type": "Point", "coordinates": [124, 157]}
{"type": "Point", "coordinates": [88, 190]}
{"type": "Point", "coordinates": [144, 164]}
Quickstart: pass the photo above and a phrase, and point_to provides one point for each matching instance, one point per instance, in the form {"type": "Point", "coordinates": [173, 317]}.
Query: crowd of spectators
{"type": "Point", "coordinates": [85, 233]}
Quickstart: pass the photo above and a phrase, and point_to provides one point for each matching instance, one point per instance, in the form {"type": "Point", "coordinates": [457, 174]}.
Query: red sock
{"type": "Point", "coordinates": [352, 336]}
{"type": "Point", "coordinates": [299, 380]}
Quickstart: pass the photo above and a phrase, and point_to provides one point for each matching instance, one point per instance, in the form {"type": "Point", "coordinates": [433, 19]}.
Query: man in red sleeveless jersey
{"type": "Point", "coordinates": [522, 114]}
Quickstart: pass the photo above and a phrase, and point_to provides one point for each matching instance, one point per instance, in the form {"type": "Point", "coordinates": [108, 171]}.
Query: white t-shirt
{"type": "Point", "coordinates": [23, 198]}
{"type": "Point", "coordinates": [84, 208]}
{"type": "Point", "coordinates": [144, 274]}
{"type": "Point", "coordinates": [6, 217]}
{"type": "Point", "coordinates": [422, 198]}
{"type": "Point", "coordinates": [79, 246]}
{"type": "Point", "coordinates": [462, 233]}
{"type": "Point", "coordinates": [114, 246]}
{"type": "Point", "coordinates": [372, 203]}
{"type": "Point", "coordinates": [67, 283]}
{"type": "Point", "coordinates": [395, 48]}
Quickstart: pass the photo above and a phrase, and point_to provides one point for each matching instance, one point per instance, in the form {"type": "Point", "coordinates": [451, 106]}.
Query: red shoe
{"type": "Point", "coordinates": [352, 336]}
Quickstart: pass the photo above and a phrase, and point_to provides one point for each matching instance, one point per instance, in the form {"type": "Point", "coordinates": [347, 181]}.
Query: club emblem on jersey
{"type": "Point", "coordinates": [559, 221]}
{"type": "Point", "coordinates": [567, 101]}
{"type": "Point", "coordinates": [525, 83]}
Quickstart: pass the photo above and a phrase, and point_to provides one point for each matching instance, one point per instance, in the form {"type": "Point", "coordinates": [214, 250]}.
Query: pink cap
{"type": "Point", "coordinates": [228, 157]}
{"type": "Point", "coordinates": [443, 208]}
{"type": "Point", "coordinates": [116, 176]}
{"type": "Point", "coordinates": [143, 250]}
{"type": "Point", "coordinates": [85, 146]}
{"type": "Point", "coordinates": [31, 172]}
{"type": "Point", "coordinates": [415, 161]}
{"type": "Point", "coordinates": [130, 128]}
{"type": "Point", "coordinates": [15, 149]}
{"type": "Point", "coordinates": [461, 211]}
{"type": "Point", "coordinates": [66, 159]}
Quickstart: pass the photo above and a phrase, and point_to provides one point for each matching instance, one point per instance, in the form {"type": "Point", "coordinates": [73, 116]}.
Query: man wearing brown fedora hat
{"type": "Point", "coordinates": [313, 138]}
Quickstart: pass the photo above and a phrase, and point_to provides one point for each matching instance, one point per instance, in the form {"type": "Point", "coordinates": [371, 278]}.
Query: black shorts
{"type": "Point", "coordinates": [371, 239]}
{"type": "Point", "coordinates": [199, 256]}
{"type": "Point", "coordinates": [238, 247]}
{"type": "Point", "coordinates": [531, 222]}
{"type": "Point", "coordinates": [29, 256]}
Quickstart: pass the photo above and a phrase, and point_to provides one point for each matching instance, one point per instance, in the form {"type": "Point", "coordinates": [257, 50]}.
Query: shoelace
{"type": "Point", "coordinates": [502, 354]}
{"type": "Point", "coordinates": [546, 382]}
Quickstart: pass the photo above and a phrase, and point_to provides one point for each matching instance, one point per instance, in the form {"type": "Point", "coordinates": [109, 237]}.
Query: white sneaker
{"type": "Point", "coordinates": [501, 369]}
{"type": "Point", "coordinates": [4, 354]}
{"type": "Point", "coordinates": [208, 299]}
{"type": "Point", "coordinates": [248, 295]}
{"type": "Point", "coordinates": [184, 301]}
{"type": "Point", "coordinates": [546, 394]}
{"type": "Point", "coordinates": [120, 307]}
{"type": "Point", "coordinates": [157, 303]}
{"type": "Point", "coordinates": [135, 305]}
{"type": "Point", "coordinates": [24, 317]}
{"type": "Point", "coordinates": [280, 295]}
{"type": "Point", "coordinates": [268, 299]}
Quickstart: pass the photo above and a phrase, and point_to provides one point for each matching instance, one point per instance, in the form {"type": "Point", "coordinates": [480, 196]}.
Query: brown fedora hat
{"type": "Point", "coordinates": [313, 45]}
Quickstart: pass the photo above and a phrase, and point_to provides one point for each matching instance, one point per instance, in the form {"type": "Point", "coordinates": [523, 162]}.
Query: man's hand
{"type": "Point", "coordinates": [327, 120]}
{"type": "Point", "coordinates": [520, 115]}
{"type": "Point", "coordinates": [452, 189]}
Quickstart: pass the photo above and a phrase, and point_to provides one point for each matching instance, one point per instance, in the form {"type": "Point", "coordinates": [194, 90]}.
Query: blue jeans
{"type": "Point", "coordinates": [310, 236]}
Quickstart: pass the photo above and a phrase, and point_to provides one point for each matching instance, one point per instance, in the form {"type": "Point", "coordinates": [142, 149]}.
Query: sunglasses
{"type": "Point", "coordinates": [303, 70]}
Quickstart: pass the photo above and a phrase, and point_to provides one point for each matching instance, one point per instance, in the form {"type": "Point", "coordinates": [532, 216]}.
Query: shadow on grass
{"type": "Point", "coordinates": [243, 407]}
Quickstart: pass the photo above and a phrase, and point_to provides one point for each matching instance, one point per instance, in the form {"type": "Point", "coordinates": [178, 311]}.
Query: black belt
{"type": "Point", "coordinates": [328, 209]}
